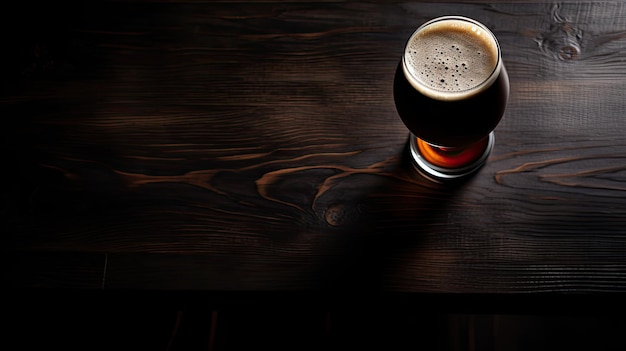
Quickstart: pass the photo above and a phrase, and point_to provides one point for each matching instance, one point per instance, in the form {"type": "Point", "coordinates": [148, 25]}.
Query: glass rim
{"type": "Point", "coordinates": [452, 95]}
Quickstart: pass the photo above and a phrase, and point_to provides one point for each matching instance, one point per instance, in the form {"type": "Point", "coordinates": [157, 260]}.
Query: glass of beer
{"type": "Point", "coordinates": [451, 90]}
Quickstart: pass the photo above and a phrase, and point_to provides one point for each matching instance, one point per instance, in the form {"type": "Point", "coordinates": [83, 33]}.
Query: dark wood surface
{"type": "Point", "coordinates": [255, 147]}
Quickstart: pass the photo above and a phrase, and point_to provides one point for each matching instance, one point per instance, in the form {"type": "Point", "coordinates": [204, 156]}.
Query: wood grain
{"type": "Point", "coordinates": [255, 146]}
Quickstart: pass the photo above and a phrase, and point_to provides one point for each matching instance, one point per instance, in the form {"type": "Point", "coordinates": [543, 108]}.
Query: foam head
{"type": "Point", "coordinates": [451, 58]}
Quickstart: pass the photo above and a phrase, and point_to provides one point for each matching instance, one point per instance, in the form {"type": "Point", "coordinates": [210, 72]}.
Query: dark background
{"type": "Point", "coordinates": [227, 175]}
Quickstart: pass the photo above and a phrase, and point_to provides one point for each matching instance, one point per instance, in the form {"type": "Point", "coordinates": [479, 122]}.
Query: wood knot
{"type": "Point", "coordinates": [335, 215]}
{"type": "Point", "coordinates": [562, 41]}
{"type": "Point", "coordinates": [569, 52]}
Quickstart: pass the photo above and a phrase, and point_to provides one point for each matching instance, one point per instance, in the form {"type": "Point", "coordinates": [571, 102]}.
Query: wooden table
{"type": "Point", "coordinates": [253, 149]}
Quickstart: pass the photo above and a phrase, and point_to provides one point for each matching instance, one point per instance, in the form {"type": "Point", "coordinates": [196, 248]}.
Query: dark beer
{"type": "Point", "coordinates": [451, 88]}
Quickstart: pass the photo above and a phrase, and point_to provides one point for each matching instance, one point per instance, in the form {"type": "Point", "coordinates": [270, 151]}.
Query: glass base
{"type": "Point", "coordinates": [441, 164]}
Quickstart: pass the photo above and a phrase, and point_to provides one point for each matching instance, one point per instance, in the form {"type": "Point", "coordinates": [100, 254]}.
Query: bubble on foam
{"type": "Point", "coordinates": [450, 58]}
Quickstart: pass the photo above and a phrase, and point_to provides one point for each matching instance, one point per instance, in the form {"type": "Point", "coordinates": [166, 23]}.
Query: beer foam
{"type": "Point", "coordinates": [451, 59]}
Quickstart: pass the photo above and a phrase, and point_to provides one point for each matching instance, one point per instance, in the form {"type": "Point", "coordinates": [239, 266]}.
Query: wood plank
{"type": "Point", "coordinates": [266, 134]}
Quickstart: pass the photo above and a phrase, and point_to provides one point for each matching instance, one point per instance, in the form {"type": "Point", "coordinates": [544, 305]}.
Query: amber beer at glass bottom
{"type": "Point", "coordinates": [451, 90]}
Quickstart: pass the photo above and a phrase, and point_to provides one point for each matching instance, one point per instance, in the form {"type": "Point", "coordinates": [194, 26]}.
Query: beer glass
{"type": "Point", "coordinates": [451, 90]}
